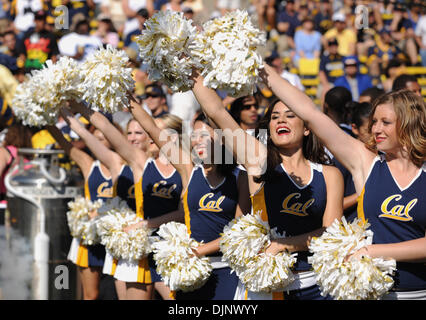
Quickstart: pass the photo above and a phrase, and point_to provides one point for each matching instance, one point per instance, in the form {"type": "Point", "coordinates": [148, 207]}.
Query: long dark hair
{"type": "Point", "coordinates": [339, 101]}
{"type": "Point", "coordinates": [238, 105]}
{"type": "Point", "coordinates": [224, 167]}
{"type": "Point", "coordinates": [360, 113]}
{"type": "Point", "coordinates": [313, 149]}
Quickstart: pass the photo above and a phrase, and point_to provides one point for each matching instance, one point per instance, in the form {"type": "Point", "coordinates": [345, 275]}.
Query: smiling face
{"type": "Point", "coordinates": [285, 128]}
{"type": "Point", "coordinates": [384, 128]}
{"type": "Point", "coordinates": [202, 140]}
{"type": "Point", "coordinates": [137, 136]}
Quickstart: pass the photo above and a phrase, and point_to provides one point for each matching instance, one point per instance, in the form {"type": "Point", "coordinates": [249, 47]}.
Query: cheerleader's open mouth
{"type": "Point", "coordinates": [283, 130]}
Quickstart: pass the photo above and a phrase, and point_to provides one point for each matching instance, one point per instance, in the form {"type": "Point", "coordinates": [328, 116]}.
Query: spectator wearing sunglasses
{"type": "Point", "coordinates": [244, 110]}
{"type": "Point", "coordinates": [155, 99]}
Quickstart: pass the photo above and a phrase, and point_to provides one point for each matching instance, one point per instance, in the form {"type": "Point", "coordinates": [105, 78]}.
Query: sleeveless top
{"type": "Point", "coordinates": [209, 209]}
{"type": "Point", "coordinates": [124, 186]}
{"type": "Point", "coordinates": [396, 214]}
{"type": "Point", "coordinates": [155, 194]}
{"type": "Point", "coordinates": [293, 209]}
{"type": "Point", "coordinates": [97, 185]}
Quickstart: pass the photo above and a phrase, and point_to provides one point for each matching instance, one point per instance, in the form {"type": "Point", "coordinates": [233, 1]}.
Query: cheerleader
{"type": "Point", "coordinates": [121, 176]}
{"type": "Point", "coordinates": [153, 183]}
{"type": "Point", "coordinates": [97, 185]}
{"type": "Point", "coordinates": [296, 192]}
{"type": "Point", "coordinates": [161, 192]}
{"type": "Point", "coordinates": [389, 174]}
{"type": "Point", "coordinates": [213, 195]}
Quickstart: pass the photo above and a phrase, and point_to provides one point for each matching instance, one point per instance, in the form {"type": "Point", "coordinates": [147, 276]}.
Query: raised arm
{"type": "Point", "coordinates": [248, 151]}
{"type": "Point", "coordinates": [178, 156]}
{"type": "Point", "coordinates": [81, 158]}
{"type": "Point", "coordinates": [108, 157]}
{"type": "Point", "coordinates": [349, 151]}
{"type": "Point", "coordinates": [135, 157]}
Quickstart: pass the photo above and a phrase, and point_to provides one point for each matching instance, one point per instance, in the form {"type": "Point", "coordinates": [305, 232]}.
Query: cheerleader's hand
{"type": "Point", "coordinates": [199, 251]}
{"type": "Point", "coordinates": [274, 248]}
{"type": "Point", "coordinates": [93, 214]}
{"type": "Point", "coordinates": [135, 226]}
{"type": "Point", "coordinates": [358, 254]}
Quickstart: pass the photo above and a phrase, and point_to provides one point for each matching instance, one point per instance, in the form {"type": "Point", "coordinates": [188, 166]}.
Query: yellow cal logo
{"type": "Point", "coordinates": [163, 192]}
{"type": "Point", "coordinates": [131, 192]}
{"type": "Point", "coordinates": [212, 206]}
{"type": "Point", "coordinates": [397, 212]}
{"type": "Point", "coordinates": [296, 208]}
{"type": "Point", "coordinates": [104, 191]}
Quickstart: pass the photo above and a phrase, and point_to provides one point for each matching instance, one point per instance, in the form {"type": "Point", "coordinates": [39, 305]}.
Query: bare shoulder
{"type": "Point", "coordinates": [331, 172]}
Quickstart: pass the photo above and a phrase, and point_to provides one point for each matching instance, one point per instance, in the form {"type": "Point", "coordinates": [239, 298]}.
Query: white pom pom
{"type": "Point", "coordinates": [81, 225]}
{"type": "Point", "coordinates": [242, 243]}
{"type": "Point", "coordinates": [164, 47]}
{"type": "Point", "coordinates": [176, 262]}
{"type": "Point", "coordinates": [122, 245]}
{"type": "Point", "coordinates": [353, 279]}
{"type": "Point", "coordinates": [107, 79]}
{"type": "Point", "coordinates": [37, 101]}
{"type": "Point", "coordinates": [243, 238]}
{"type": "Point", "coordinates": [267, 273]}
{"type": "Point", "coordinates": [227, 50]}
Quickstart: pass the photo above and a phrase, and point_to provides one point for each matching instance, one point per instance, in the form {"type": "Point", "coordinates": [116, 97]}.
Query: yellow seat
{"type": "Point", "coordinates": [311, 91]}
{"type": "Point", "coordinates": [424, 92]}
{"type": "Point", "coordinates": [415, 70]}
{"type": "Point", "coordinates": [421, 81]}
{"type": "Point", "coordinates": [310, 82]}
{"type": "Point", "coordinates": [309, 67]}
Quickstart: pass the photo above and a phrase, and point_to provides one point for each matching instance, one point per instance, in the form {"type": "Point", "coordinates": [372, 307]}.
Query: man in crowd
{"type": "Point", "coordinates": [244, 111]}
{"type": "Point", "coordinates": [155, 99]}
{"type": "Point", "coordinates": [354, 81]}
{"type": "Point", "coordinates": [331, 67]}
{"type": "Point", "coordinates": [38, 45]}
{"type": "Point", "coordinates": [407, 81]}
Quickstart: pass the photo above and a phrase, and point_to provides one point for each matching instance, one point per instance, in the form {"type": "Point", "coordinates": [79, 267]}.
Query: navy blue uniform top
{"type": "Point", "coordinates": [97, 185]}
{"type": "Point", "coordinates": [291, 208]}
{"type": "Point", "coordinates": [209, 209]}
{"type": "Point", "coordinates": [155, 194]}
{"type": "Point", "coordinates": [396, 215]}
{"type": "Point", "coordinates": [125, 186]}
